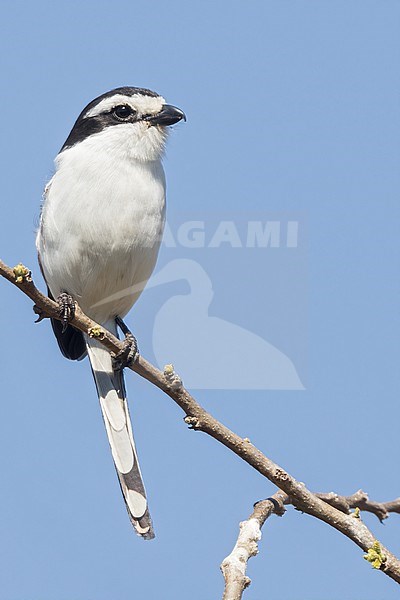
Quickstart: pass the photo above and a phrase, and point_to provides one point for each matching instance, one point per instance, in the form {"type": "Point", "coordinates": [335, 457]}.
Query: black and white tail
{"type": "Point", "coordinates": [112, 396]}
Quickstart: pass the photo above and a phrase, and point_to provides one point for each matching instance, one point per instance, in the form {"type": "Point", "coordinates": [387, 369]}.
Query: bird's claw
{"type": "Point", "coordinates": [127, 355]}
{"type": "Point", "coordinates": [130, 351]}
{"type": "Point", "coordinates": [67, 309]}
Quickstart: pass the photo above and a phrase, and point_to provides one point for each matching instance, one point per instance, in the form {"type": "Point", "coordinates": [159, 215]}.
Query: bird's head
{"type": "Point", "coordinates": [128, 120]}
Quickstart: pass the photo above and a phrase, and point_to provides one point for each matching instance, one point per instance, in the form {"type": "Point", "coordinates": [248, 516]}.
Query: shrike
{"type": "Point", "coordinates": [100, 230]}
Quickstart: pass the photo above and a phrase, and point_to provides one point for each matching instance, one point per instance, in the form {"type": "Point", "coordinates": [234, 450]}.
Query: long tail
{"type": "Point", "coordinates": [112, 396]}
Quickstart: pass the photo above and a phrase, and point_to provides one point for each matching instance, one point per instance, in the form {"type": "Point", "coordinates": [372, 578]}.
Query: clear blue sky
{"type": "Point", "coordinates": [293, 115]}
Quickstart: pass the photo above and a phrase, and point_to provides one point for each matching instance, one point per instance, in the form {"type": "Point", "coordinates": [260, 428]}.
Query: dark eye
{"type": "Point", "coordinates": [123, 112]}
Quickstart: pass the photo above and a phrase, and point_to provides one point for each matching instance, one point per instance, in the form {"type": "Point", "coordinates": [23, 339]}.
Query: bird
{"type": "Point", "coordinates": [101, 224]}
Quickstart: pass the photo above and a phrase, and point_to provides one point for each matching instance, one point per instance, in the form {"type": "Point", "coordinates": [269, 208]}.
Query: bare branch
{"type": "Point", "coordinates": [361, 500]}
{"type": "Point", "coordinates": [234, 566]}
{"type": "Point", "coordinates": [197, 418]}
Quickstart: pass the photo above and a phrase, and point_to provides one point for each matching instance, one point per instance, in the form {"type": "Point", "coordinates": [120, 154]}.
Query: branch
{"type": "Point", "coordinates": [234, 566]}
{"type": "Point", "coordinates": [197, 418]}
{"type": "Point", "coordinates": [361, 501]}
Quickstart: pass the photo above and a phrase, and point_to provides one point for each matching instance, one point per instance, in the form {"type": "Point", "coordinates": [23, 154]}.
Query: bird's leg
{"type": "Point", "coordinates": [130, 351]}
{"type": "Point", "coordinates": [67, 309]}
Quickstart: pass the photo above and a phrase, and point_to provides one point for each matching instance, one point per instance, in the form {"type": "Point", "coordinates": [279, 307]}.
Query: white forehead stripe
{"type": "Point", "coordinates": [144, 105]}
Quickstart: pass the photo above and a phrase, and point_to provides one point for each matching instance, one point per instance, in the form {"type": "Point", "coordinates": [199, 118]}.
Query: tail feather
{"type": "Point", "coordinates": [114, 407]}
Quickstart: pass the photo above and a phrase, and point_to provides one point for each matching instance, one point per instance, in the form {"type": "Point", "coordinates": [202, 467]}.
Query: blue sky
{"type": "Point", "coordinates": [292, 116]}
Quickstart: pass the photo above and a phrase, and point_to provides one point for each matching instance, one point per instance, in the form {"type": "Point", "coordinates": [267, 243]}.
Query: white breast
{"type": "Point", "coordinates": [101, 227]}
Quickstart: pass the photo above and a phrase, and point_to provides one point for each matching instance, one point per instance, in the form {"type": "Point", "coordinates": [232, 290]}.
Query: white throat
{"type": "Point", "coordinates": [131, 141]}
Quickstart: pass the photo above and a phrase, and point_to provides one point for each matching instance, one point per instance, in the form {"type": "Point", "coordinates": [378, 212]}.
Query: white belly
{"type": "Point", "coordinates": [100, 232]}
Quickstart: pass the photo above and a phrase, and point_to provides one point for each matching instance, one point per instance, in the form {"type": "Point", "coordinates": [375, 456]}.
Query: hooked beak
{"type": "Point", "coordinates": [168, 115]}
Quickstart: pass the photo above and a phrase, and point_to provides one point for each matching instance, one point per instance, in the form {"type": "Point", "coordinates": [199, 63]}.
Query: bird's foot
{"type": "Point", "coordinates": [127, 355]}
{"type": "Point", "coordinates": [67, 309]}
{"type": "Point", "coordinates": [130, 352]}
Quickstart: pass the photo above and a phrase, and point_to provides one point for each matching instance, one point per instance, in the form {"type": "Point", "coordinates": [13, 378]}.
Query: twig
{"type": "Point", "coordinates": [360, 500]}
{"type": "Point", "coordinates": [197, 418]}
